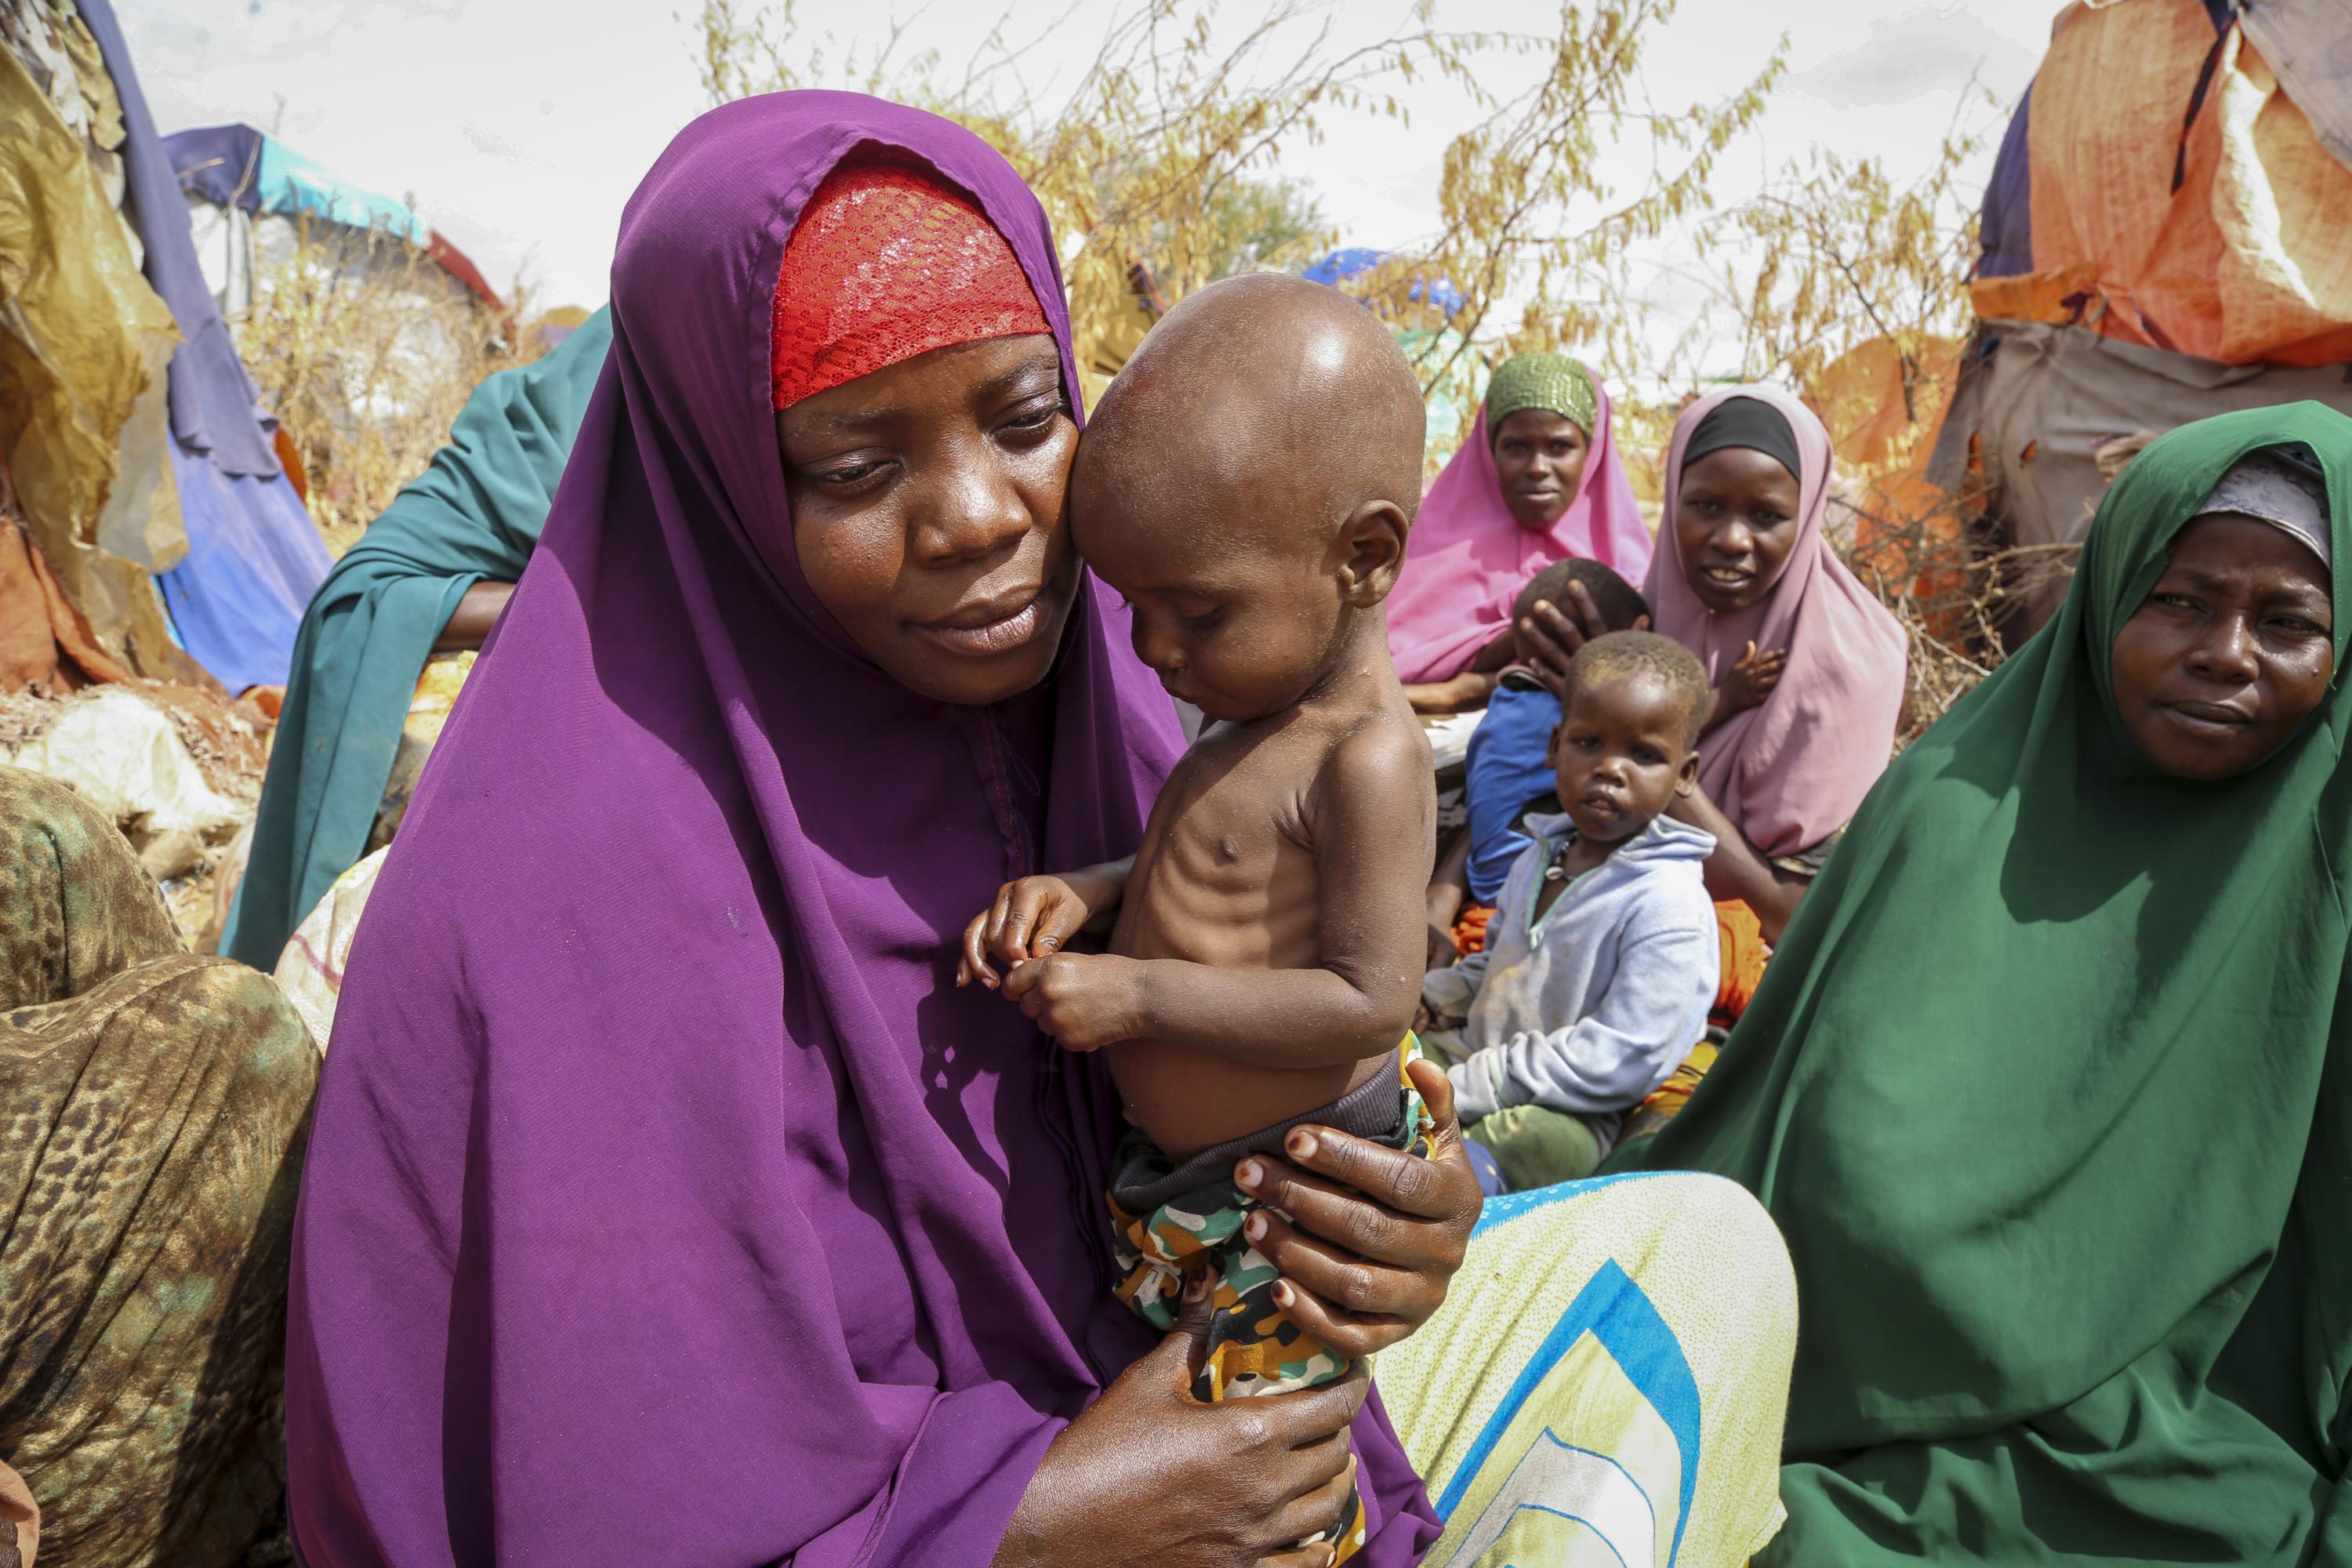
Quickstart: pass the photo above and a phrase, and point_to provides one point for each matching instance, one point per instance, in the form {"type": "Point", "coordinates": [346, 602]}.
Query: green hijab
{"type": "Point", "coordinates": [472, 517]}
{"type": "Point", "coordinates": [2048, 1089]}
{"type": "Point", "coordinates": [1552, 382]}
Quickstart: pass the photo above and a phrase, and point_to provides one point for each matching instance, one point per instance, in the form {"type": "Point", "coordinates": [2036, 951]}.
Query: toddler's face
{"type": "Point", "coordinates": [1240, 624]}
{"type": "Point", "coordinates": [1621, 754]}
{"type": "Point", "coordinates": [2230, 651]}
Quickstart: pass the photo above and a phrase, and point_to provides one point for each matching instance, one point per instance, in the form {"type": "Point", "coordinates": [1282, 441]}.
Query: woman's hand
{"type": "Point", "coordinates": [1148, 1475]}
{"type": "Point", "coordinates": [1554, 632]}
{"type": "Point", "coordinates": [1374, 1234]}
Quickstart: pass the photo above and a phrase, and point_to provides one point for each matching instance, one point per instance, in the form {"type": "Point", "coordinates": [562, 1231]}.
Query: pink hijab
{"type": "Point", "coordinates": [1469, 557]}
{"type": "Point", "coordinates": [1792, 771]}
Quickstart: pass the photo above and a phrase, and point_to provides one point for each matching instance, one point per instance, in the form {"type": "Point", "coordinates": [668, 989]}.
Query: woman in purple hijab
{"type": "Point", "coordinates": [666, 1201]}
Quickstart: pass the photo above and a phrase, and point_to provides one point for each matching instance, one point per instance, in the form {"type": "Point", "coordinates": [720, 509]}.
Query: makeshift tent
{"type": "Point", "coordinates": [87, 500]}
{"type": "Point", "coordinates": [254, 556]}
{"type": "Point", "coordinates": [234, 175]}
{"type": "Point", "coordinates": [2163, 239]}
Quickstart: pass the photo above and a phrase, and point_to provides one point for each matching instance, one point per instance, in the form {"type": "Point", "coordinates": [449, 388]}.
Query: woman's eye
{"type": "Point", "coordinates": [1202, 622]}
{"type": "Point", "coordinates": [2174, 601]}
{"type": "Point", "coordinates": [2297, 626]}
{"type": "Point", "coordinates": [1035, 417]}
{"type": "Point", "coordinates": [850, 475]}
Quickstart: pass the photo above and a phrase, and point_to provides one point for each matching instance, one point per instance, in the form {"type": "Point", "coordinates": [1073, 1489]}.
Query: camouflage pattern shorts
{"type": "Point", "coordinates": [1173, 1221]}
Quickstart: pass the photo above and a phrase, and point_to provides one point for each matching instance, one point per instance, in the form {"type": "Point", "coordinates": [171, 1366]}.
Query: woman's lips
{"type": "Point", "coordinates": [1726, 576]}
{"type": "Point", "coordinates": [988, 629]}
{"type": "Point", "coordinates": [2210, 719]}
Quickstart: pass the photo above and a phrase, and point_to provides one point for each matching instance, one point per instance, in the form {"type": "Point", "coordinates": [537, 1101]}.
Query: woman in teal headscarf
{"type": "Point", "coordinates": [432, 570]}
{"type": "Point", "coordinates": [2049, 1085]}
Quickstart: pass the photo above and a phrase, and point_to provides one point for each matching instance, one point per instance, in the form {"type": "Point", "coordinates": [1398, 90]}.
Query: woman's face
{"type": "Point", "coordinates": [928, 514]}
{"type": "Point", "coordinates": [1735, 518]}
{"type": "Point", "coordinates": [1540, 459]}
{"type": "Point", "coordinates": [2229, 652]}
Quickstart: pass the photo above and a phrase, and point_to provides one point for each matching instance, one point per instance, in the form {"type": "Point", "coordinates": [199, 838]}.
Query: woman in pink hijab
{"type": "Point", "coordinates": [1808, 666]}
{"type": "Point", "coordinates": [1537, 480]}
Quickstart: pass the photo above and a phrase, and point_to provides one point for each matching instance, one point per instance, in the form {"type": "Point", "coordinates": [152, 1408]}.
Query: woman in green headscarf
{"type": "Point", "coordinates": [431, 572]}
{"type": "Point", "coordinates": [2049, 1085]}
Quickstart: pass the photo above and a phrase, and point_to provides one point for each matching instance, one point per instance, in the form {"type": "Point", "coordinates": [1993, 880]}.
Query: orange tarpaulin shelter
{"type": "Point", "coordinates": [2179, 198]}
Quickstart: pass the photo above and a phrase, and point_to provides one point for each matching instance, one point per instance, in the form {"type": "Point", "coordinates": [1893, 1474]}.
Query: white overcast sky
{"type": "Point", "coordinates": [520, 127]}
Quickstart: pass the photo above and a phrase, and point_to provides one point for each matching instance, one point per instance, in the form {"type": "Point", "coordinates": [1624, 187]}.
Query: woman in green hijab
{"type": "Point", "coordinates": [432, 572]}
{"type": "Point", "coordinates": [2049, 1085]}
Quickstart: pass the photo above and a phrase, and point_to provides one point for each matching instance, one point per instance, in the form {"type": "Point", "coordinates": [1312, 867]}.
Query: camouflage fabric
{"type": "Point", "coordinates": [152, 1111]}
{"type": "Point", "coordinates": [1253, 1347]}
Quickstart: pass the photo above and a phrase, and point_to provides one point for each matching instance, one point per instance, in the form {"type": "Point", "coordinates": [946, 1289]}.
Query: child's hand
{"type": "Point", "coordinates": [1752, 679]}
{"type": "Point", "coordinates": [1085, 1000]}
{"type": "Point", "coordinates": [1031, 919]}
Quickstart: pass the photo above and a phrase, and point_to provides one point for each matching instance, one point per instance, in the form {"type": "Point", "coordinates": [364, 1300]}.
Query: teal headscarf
{"type": "Point", "coordinates": [2050, 1089]}
{"type": "Point", "coordinates": [472, 517]}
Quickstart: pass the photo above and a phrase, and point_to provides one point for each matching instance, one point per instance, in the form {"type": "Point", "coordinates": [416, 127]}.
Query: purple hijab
{"type": "Point", "coordinates": [666, 1203]}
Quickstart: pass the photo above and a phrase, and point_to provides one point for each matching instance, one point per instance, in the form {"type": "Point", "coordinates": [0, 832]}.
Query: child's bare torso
{"type": "Point", "coordinates": [1226, 876]}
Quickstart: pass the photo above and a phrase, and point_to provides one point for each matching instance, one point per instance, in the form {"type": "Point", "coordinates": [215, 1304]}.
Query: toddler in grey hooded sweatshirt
{"type": "Point", "coordinates": [1603, 957]}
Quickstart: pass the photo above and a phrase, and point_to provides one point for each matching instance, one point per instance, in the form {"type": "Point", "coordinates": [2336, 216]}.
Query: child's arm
{"type": "Point", "coordinates": [1652, 1014]}
{"type": "Point", "coordinates": [1739, 870]}
{"type": "Point", "coordinates": [1447, 994]}
{"type": "Point", "coordinates": [1374, 815]}
{"type": "Point", "coordinates": [1035, 915]}
{"type": "Point", "coordinates": [1449, 889]}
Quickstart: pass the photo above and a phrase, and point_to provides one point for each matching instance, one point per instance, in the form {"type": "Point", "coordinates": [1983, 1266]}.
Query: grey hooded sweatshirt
{"type": "Point", "coordinates": [1594, 1007]}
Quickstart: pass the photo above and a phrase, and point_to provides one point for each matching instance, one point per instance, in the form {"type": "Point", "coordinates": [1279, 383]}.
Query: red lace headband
{"type": "Point", "coordinates": [889, 261]}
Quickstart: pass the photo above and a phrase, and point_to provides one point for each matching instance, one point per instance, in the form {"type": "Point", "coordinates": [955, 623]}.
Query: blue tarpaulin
{"type": "Point", "coordinates": [236, 165]}
{"type": "Point", "coordinates": [1352, 262]}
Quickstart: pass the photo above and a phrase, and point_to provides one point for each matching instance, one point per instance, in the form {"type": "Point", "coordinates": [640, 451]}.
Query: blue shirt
{"type": "Point", "coordinates": [1506, 769]}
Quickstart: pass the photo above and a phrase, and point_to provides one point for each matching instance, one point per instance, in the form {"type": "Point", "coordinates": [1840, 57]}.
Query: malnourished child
{"type": "Point", "coordinates": [1247, 483]}
{"type": "Point", "coordinates": [1603, 957]}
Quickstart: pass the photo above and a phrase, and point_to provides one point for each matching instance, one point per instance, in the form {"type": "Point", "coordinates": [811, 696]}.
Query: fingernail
{"type": "Point", "coordinates": [1302, 1143]}
{"type": "Point", "coordinates": [1543, 603]}
{"type": "Point", "coordinates": [1248, 1174]}
{"type": "Point", "coordinates": [1526, 623]}
{"type": "Point", "coordinates": [1255, 1227]}
{"type": "Point", "coordinates": [1196, 1286]}
{"type": "Point", "coordinates": [1282, 1296]}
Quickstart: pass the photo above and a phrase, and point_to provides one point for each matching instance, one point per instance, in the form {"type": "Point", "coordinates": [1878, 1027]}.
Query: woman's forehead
{"type": "Point", "coordinates": [2232, 550]}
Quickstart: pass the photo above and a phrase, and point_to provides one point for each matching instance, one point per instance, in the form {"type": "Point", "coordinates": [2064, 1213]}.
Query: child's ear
{"type": "Point", "coordinates": [1372, 552]}
{"type": "Point", "coordinates": [1551, 747]}
{"type": "Point", "coordinates": [1687, 780]}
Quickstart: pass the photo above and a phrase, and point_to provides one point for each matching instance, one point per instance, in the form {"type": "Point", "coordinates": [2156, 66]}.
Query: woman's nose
{"type": "Point", "coordinates": [2227, 652]}
{"type": "Point", "coordinates": [972, 512]}
{"type": "Point", "coordinates": [1732, 540]}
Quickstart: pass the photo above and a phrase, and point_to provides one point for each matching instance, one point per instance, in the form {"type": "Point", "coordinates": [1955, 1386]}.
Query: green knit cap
{"type": "Point", "coordinates": [1553, 382]}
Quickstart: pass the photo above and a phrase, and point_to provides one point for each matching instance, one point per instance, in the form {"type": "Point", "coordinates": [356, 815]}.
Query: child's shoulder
{"type": "Point", "coordinates": [1669, 890]}
{"type": "Point", "coordinates": [1382, 750]}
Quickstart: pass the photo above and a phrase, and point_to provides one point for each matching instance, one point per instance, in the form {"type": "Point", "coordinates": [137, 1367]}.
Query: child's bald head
{"type": "Point", "coordinates": [1261, 452]}
{"type": "Point", "coordinates": [1265, 386]}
